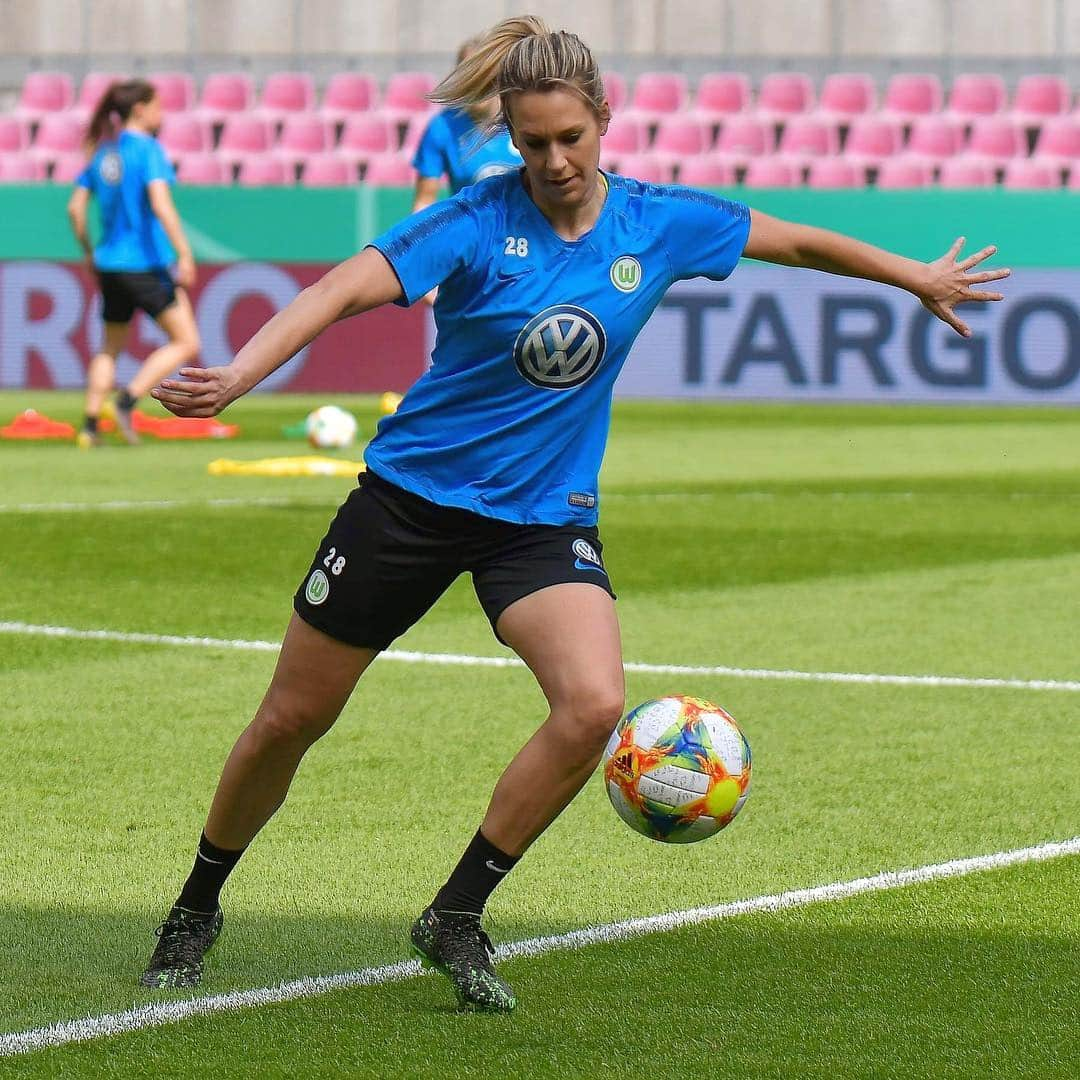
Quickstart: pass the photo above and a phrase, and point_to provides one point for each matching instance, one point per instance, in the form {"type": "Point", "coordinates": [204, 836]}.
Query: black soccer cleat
{"type": "Point", "coordinates": [455, 944]}
{"type": "Point", "coordinates": [185, 938]}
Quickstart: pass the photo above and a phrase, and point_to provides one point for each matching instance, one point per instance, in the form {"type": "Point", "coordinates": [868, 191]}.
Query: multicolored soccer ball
{"type": "Point", "coordinates": [329, 428]}
{"type": "Point", "coordinates": [677, 769]}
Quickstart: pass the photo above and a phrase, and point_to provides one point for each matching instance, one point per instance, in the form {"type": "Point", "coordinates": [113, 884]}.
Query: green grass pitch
{"type": "Point", "coordinates": [904, 540]}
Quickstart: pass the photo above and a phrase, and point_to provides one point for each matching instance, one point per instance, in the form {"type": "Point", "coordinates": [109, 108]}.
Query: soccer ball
{"type": "Point", "coordinates": [677, 769]}
{"type": "Point", "coordinates": [329, 427]}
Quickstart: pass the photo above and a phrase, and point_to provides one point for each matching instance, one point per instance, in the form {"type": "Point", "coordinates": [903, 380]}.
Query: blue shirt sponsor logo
{"type": "Point", "coordinates": [560, 348]}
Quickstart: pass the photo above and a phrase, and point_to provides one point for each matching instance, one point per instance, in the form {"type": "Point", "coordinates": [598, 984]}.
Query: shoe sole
{"type": "Point", "coordinates": [430, 964]}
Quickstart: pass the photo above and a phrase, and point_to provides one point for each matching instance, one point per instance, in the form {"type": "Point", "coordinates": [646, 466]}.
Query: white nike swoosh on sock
{"type": "Point", "coordinates": [216, 862]}
{"type": "Point", "coordinates": [498, 869]}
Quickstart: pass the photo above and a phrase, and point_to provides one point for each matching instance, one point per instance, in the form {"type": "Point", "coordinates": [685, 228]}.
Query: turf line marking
{"type": "Point", "coordinates": [171, 1012]}
{"type": "Point", "coordinates": [464, 660]}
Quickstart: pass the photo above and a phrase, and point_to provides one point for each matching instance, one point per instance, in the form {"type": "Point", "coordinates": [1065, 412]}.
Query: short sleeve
{"type": "Point", "coordinates": [427, 248]}
{"type": "Point", "coordinates": [158, 166]}
{"type": "Point", "coordinates": [430, 157]}
{"type": "Point", "coordinates": [704, 235]}
{"type": "Point", "coordinates": [86, 177]}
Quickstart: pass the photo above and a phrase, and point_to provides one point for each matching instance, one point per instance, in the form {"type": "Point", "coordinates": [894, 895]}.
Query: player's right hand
{"type": "Point", "coordinates": [199, 391]}
{"type": "Point", "coordinates": [185, 271]}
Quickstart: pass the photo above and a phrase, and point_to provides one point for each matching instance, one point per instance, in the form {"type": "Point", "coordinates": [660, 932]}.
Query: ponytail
{"type": "Point", "coordinates": [517, 55]}
{"type": "Point", "coordinates": [117, 101]}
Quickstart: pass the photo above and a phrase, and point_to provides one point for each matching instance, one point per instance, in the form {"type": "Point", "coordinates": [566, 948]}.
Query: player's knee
{"type": "Point", "coordinates": [593, 716]}
{"type": "Point", "coordinates": [286, 718]}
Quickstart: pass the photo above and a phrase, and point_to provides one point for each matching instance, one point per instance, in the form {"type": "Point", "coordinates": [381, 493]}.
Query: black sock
{"type": "Point", "coordinates": [125, 401]}
{"type": "Point", "coordinates": [212, 866]}
{"type": "Point", "coordinates": [481, 868]}
{"type": "Point", "coordinates": [90, 424]}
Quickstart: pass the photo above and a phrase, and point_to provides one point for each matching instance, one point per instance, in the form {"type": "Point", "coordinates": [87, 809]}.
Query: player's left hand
{"type": "Point", "coordinates": [948, 284]}
{"type": "Point", "coordinates": [199, 391]}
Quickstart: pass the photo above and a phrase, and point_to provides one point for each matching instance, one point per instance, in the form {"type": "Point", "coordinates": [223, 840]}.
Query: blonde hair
{"type": "Point", "coordinates": [517, 55]}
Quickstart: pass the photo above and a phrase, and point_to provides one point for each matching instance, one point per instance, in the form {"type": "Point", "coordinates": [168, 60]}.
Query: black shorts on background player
{"type": "Point", "coordinates": [390, 554]}
{"type": "Point", "coordinates": [123, 291]}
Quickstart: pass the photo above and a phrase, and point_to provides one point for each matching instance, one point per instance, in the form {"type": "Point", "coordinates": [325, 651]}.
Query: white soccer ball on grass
{"type": "Point", "coordinates": [330, 428]}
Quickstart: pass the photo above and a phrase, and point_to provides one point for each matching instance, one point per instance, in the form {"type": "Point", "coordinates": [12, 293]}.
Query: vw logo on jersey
{"type": "Point", "coordinates": [111, 168]}
{"type": "Point", "coordinates": [560, 348]}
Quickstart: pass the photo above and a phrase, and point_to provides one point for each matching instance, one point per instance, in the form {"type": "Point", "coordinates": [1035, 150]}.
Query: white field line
{"type": "Point", "coordinates": [329, 501]}
{"type": "Point", "coordinates": [171, 1012]}
{"type": "Point", "coordinates": [465, 660]}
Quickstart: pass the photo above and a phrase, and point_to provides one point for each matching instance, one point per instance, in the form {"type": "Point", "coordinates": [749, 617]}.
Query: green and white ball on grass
{"type": "Point", "coordinates": [330, 428]}
{"type": "Point", "coordinates": [677, 769]}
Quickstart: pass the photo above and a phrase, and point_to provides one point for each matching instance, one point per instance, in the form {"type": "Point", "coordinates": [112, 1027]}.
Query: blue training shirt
{"type": "Point", "coordinates": [132, 238]}
{"type": "Point", "coordinates": [511, 419]}
{"type": "Point", "coordinates": [454, 145]}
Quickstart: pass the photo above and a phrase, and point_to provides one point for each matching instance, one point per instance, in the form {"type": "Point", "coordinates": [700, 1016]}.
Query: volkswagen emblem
{"type": "Point", "coordinates": [560, 348]}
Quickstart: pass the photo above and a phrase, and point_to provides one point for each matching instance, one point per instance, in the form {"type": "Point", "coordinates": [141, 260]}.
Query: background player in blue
{"type": "Point", "coordinates": [141, 236]}
{"type": "Point", "coordinates": [489, 466]}
{"type": "Point", "coordinates": [458, 144]}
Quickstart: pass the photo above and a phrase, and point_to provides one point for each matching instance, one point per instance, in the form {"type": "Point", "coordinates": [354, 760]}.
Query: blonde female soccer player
{"type": "Point", "coordinates": [141, 236]}
{"type": "Point", "coordinates": [489, 466]}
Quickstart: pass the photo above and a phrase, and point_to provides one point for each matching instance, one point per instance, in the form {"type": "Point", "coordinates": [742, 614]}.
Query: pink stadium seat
{"type": "Point", "coordinates": [327, 170]}
{"type": "Point", "coordinates": [976, 95]}
{"type": "Point", "coordinates": [263, 171]}
{"type": "Point", "coordinates": [303, 134]}
{"type": "Point", "coordinates": [1059, 141]}
{"type": "Point", "coordinates": [743, 138]}
{"type": "Point", "coordinates": [904, 172]}
{"type": "Point", "coordinates": [389, 170]}
{"type": "Point", "coordinates": [997, 139]}
{"type": "Point", "coordinates": [1038, 97]}
{"type": "Point", "coordinates": [706, 172]}
{"type": "Point", "coordinates": [66, 167]}
{"type": "Point", "coordinates": [679, 137]}
{"type": "Point", "coordinates": [349, 92]}
{"type": "Point", "coordinates": [721, 94]}
{"type": "Point", "coordinates": [176, 89]}
{"type": "Point", "coordinates": [242, 136]}
{"type": "Point", "coordinates": [93, 88]}
{"type": "Point", "coordinates": [615, 88]}
{"type": "Point", "coordinates": [625, 135]}
{"type": "Point", "coordinates": [768, 172]}
{"type": "Point", "coordinates": [847, 95]}
{"type": "Point", "coordinates": [934, 138]}
{"type": "Point", "coordinates": [44, 92]}
{"type": "Point", "coordinates": [1074, 180]}
{"type": "Point", "coordinates": [910, 96]}
{"type": "Point", "coordinates": [871, 139]}
{"type": "Point", "coordinates": [965, 172]}
{"type": "Point", "coordinates": [365, 136]}
{"type": "Point", "coordinates": [659, 93]}
{"type": "Point", "coordinates": [224, 94]}
{"type": "Point", "coordinates": [286, 93]}
{"type": "Point", "coordinates": [203, 169]}
{"type": "Point", "coordinates": [645, 167]}
{"type": "Point", "coordinates": [834, 172]}
{"type": "Point", "coordinates": [20, 169]}
{"type": "Point", "coordinates": [406, 94]}
{"type": "Point", "coordinates": [182, 133]}
{"type": "Point", "coordinates": [1025, 174]}
{"type": "Point", "coordinates": [807, 137]}
{"type": "Point", "coordinates": [413, 133]}
{"type": "Point", "coordinates": [14, 134]}
{"type": "Point", "coordinates": [784, 94]}
{"type": "Point", "coordinates": [57, 134]}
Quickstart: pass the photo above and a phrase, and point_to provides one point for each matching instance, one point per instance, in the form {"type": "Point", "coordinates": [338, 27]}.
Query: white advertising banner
{"type": "Point", "coordinates": [798, 335]}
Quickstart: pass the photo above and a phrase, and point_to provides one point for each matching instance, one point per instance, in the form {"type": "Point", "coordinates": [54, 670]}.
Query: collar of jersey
{"type": "Point", "coordinates": [585, 237]}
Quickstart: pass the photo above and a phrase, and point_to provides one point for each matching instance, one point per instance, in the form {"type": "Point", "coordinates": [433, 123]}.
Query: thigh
{"type": "Point", "coordinates": [384, 561]}
{"type": "Point", "coordinates": [568, 634]}
{"type": "Point", "coordinates": [177, 319]}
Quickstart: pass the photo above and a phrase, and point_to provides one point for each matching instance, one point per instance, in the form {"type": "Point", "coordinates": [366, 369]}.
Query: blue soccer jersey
{"type": "Point", "coordinates": [454, 145]}
{"type": "Point", "coordinates": [132, 238]}
{"type": "Point", "coordinates": [511, 419]}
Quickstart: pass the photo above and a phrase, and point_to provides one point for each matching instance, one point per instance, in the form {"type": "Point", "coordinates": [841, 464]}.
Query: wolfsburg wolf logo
{"type": "Point", "coordinates": [560, 348]}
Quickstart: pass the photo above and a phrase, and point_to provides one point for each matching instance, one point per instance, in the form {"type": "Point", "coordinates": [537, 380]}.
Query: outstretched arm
{"type": "Point", "coordinates": [359, 284]}
{"type": "Point", "coordinates": [940, 285]}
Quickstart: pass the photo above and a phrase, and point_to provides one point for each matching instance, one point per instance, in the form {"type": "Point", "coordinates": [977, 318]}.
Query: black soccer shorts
{"type": "Point", "coordinates": [390, 554]}
{"type": "Point", "coordinates": [122, 292]}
